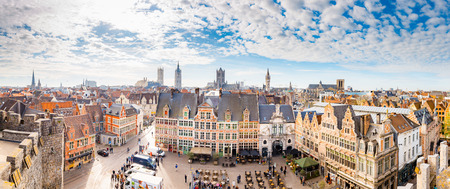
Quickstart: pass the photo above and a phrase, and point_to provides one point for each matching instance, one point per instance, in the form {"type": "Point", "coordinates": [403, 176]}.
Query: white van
{"type": "Point", "coordinates": [139, 170]}
{"type": "Point", "coordinates": [156, 151]}
{"type": "Point", "coordinates": [138, 180]}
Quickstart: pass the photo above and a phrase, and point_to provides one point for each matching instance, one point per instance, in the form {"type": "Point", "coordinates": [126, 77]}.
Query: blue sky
{"type": "Point", "coordinates": [371, 44]}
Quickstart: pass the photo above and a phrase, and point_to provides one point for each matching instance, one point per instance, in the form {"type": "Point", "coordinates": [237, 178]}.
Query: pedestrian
{"type": "Point", "coordinates": [176, 166]}
{"type": "Point", "coordinates": [178, 154]}
{"type": "Point", "coordinates": [185, 178]}
{"type": "Point", "coordinates": [284, 172]}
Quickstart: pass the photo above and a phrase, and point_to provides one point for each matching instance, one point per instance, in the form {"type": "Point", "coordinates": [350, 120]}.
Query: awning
{"type": "Point", "coordinates": [201, 150]}
{"type": "Point", "coordinates": [244, 153]}
{"type": "Point", "coordinates": [306, 162]}
{"type": "Point", "coordinates": [254, 153]}
{"type": "Point", "coordinates": [81, 155]}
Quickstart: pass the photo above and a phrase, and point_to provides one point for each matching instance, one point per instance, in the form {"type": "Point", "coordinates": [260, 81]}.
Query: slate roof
{"type": "Point", "coordinates": [423, 113]}
{"type": "Point", "coordinates": [310, 114]}
{"type": "Point", "coordinates": [324, 86]}
{"type": "Point", "coordinates": [237, 103]}
{"type": "Point", "coordinates": [116, 108]}
{"type": "Point", "coordinates": [266, 111]}
{"type": "Point", "coordinates": [176, 104]}
{"type": "Point", "coordinates": [15, 106]}
{"type": "Point", "coordinates": [77, 122]}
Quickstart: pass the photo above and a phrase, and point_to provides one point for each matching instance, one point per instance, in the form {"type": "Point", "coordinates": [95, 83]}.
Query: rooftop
{"type": "Point", "coordinates": [6, 147]}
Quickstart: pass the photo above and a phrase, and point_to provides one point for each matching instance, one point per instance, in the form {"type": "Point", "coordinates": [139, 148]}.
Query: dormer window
{"type": "Point", "coordinates": [246, 115]}
{"type": "Point", "coordinates": [228, 115]}
{"type": "Point", "coordinates": [185, 112]}
{"type": "Point", "coordinates": [166, 111]}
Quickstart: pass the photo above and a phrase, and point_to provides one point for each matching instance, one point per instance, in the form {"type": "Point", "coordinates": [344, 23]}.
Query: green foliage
{"type": "Point", "coordinates": [190, 155]}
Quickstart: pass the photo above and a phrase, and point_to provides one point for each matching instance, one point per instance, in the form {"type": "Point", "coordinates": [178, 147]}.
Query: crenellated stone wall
{"type": "Point", "coordinates": [46, 169]}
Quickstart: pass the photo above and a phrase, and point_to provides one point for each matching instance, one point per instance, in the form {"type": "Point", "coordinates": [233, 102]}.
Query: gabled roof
{"type": "Point", "coordinates": [94, 111]}
{"type": "Point", "coordinates": [423, 113]}
{"type": "Point", "coordinates": [15, 106]}
{"type": "Point", "coordinates": [115, 109]}
{"type": "Point", "coordinates": [401, 123]}
{"type": "Point", "coordinates": [266, 111]}
{"type": "Point", "coordinates": [77, 123]}
{"type": "Point", "coordinates": [176, 103]}
{"type": "Point", "coordinates": [237, 103]}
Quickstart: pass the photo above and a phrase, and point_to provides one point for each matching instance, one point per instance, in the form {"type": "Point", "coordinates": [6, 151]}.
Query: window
{"type": "Point", "coordinates": [220, 136]}
{"type": "Point", "coordinates": [208, 125]}
{"type": "Point", "coordinates": [386, 143]}
{"type": "Point", "coordinates": [392, 161]}
{"type": "Point", "coordinates": [227, 136]}
{"type": "Point", "coordinates": [413, 137]}
{"type": "Point", "coordinates": [369, 167]}
{"type": "Point", "coordinates": [409, 139]}
{"type": "Point", "coordinates": [185, 114]}
{"type": "Point", "coordinates": [213, 136]}
{"type": "Point", "coordinates": [413, 150]}
{"type": "Point", "coordinates": [404, 142]}
{"type": "Point", "coordinates": [234, 136]}
{"type": "Point", "coordinates": [208, 115]}
{"type": "Point", "coordinates": [380, 167]}
{"type": "Point", "coordinates": [71, 145]}
{"type": "Point", "coordinates": [404, 156]}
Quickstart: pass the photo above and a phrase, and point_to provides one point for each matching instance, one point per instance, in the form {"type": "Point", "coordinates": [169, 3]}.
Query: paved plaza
{"type": "Point", "coordinates": [97, 174]}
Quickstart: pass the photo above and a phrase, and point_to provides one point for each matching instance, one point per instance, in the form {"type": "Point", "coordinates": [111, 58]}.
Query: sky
{"type": "Point", "coordinates": [372, 44]}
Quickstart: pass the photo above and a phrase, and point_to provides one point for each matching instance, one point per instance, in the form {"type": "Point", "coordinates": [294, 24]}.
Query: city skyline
{"type": "Point", "coordinates": [371, 44]}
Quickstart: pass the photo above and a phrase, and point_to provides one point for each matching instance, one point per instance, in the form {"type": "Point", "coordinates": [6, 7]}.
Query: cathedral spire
{"type": "Point", "coordinates": [33, 83]}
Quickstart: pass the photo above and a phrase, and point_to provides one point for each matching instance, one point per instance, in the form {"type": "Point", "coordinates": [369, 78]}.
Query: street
{"type": "Point", "coordinates": [98, 173]}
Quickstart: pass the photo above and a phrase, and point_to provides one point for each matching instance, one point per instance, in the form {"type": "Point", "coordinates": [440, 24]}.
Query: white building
{"type": "Point", "coordinates": [407, 135]}
{"type": "Point", "coordinates": [277, 132]}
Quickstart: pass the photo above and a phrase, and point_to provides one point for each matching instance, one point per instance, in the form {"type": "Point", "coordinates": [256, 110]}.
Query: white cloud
{"type": "Point", "coordinates": [60, 35]}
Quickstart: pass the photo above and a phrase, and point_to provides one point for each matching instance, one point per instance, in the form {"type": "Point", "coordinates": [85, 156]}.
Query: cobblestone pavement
{"type": "Point", "coordinates": [97, 174]}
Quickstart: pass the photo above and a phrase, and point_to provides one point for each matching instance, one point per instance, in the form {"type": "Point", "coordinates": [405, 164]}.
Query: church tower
{"type": "Point", "coordinates": [160, 76]}
{"type": "Point", "coordinates": [33, 83]}
{"type": "Point", "coordinates": [267, 80]}
{"type": "Point", "coordinates": [220, 78]}
{"type": "Point", "coordinates": [39, 84]}
{"type": "Point", "coordinates": [178, 77]}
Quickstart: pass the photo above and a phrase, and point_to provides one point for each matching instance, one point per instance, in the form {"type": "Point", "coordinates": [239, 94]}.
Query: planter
{"type": "Point", "coordinates": [216, 162]}
{"type": "Point", "coordinates": [189, 161]}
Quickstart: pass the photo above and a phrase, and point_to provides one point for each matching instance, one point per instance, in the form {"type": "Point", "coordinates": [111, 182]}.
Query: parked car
{"type": "Point", "coordinates": [155, 151]}
{"type": "Point", "coordinates": [139, 170]}
{"type": "Point", "coordinates": [103, 152]}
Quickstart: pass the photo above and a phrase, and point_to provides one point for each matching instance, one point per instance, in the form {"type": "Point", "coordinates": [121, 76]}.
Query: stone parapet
{"type": "Point", "coordinates": [15, 135]}
{"type": "Point", "coordinates": [433, 160]}
{"type": "Point", "coordinates": [5, 170]}
{"type": "Point", "coordinates": [15, 159]}
{"type": "Point", "coordinates": [26, 145]}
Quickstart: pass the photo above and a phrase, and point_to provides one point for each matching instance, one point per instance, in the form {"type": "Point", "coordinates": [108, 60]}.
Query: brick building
{"type": "Point", "coordinates": [121, 124]}
{"type": "Point", "coordinates": [79, 140]}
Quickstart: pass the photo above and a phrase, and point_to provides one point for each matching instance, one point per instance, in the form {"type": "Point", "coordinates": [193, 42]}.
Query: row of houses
{"type": "Point", "coordinates": [359, 146]}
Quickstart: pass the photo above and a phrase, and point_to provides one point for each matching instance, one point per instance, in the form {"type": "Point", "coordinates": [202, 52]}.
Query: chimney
{"type": "Point", "coordinates": [361, 125]}
{"type": "Point", "coordinates": [171, 93]}
{"type": "Point", "coordinates": [220, 93]}
{"type": "Point", "coordinates": [378, 118]}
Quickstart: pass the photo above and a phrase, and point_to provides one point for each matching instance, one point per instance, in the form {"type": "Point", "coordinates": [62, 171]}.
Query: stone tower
{"type": "Point", "coordinates": [178, 77]}
{"type": "Point", "coordinates": [33, 83]}
{"type": "Point", "coordinates": [267, 80]}
{"type": "Point", "coordinates": [340, 84]}
{"type": "Point", "coordinates": [52, 134]}
{"type": "Point", "coordinates": [160, 75]}
{"type": "Point", "coordinates": [220, 78]}
{"type": "Point", "coordinates": [39, 84]}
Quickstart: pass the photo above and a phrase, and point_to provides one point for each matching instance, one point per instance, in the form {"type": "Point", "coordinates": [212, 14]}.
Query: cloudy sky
{"type": "Point", "coordinates": [371, 44]}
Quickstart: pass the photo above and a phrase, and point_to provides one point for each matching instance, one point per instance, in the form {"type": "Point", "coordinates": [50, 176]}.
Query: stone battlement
{"type": "Point", "coordinates": [39, 137]}
{"type": "Point", "coordinates": [31, 176]}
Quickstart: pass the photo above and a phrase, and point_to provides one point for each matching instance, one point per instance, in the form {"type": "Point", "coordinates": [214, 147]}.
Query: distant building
{"type": "Point", "coordinates": [314, 90]}
{"type": "Point", "coordinates": [178, 77]}
{"type": "Point", "coordinates": [33, 84]}
{"type": "Point", "coordinates": [88, 83]}
{"type": "Point", "coordinates": [220, 78]}
{"type": "Point", "coordinates": [221, 83]}
{"type": "Point", "coordinates": [267, 81]}
{"type": "Point", "coordinates": [160, 79]}
{"type": "Point", "coordinates": [142, 83]}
